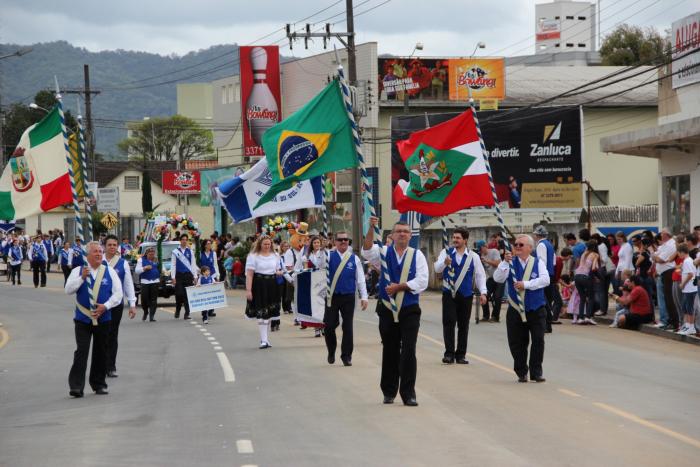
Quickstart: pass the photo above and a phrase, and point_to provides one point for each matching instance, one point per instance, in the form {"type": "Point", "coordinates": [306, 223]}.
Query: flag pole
{"type": "Point", "coordinates": [86, 194]}
{"type": "Point", "coordinates": [326, 248]}
{"type": "Point", "coordinates": [71, 175]}
{"type": "Point", "coordinates": [499, 215]}
{"type": "Point", "coordinates": [364, 178]}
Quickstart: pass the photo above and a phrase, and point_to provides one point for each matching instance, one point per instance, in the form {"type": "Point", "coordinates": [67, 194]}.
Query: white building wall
{"type": "Point", "coordinates": [577, 26]}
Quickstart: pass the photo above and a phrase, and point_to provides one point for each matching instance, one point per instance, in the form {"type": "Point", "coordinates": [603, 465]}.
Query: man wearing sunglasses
{"type": "Point", "coordinates": [408, 277]}
{"type": "Point", "coordinates": [525, 286]}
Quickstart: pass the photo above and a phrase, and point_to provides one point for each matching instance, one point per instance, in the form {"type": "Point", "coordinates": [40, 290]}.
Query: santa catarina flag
{"type": "Point", "coordinates": [446, 169]}
{"type": "Point", "coordinates": [36, 176]}
{"type": "Point", "coordinates": [313, 141]}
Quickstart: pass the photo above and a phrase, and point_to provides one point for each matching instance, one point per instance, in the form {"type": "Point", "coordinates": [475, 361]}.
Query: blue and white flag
{"type": "Point", "coordinates": [240, 194]}
{"type": "Point", "coordinates": [7, 226]}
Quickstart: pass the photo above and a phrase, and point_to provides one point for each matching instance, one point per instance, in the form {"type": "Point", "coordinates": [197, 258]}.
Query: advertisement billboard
{"type": "Point", "coordinates": [181, 182]}
{"type": "Point", "coordinates": [548, 29]}
{"type": "Point", "coordinates": [483, 77]}
{"type": "Point", "coordinates": [535, 154]}
{"type": "Point", "coordinates": [685, 36]}
{"type": "Point", "coordinates": [260, 94]}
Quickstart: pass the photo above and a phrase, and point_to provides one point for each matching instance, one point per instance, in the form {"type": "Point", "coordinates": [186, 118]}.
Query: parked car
{"type": "Point", "coordinates": [166, 288]}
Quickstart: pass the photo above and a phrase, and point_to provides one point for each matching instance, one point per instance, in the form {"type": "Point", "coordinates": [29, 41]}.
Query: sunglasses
{"type": "Point", "coordinates": [342, 239]}
{"type": "Point", "coordinates": [519, 245]}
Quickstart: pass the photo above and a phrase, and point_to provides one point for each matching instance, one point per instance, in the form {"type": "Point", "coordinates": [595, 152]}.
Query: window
{"type": "Point", "coordinates": [600, 197]}
{"type": "Point", "coordinates": [556, 45]}
{"type": "Point", "coordinates": [230, 93]}
{"type": "Point", "coordinates": [676, 202]}
{"type": "Point", "coordinates": [569, 45]}
{"type": "Point", "coordinates": [582, 18]}
{"type": "Point", "coordinates": [131, 183]}
{"type": "Point", "coordinates": [581, 45]}
{"type": "Point", "coordinates": [569, 17]}
{"type": "Point", "coordinates": [223, 94]}
{"type": "Point", "coordinates": [237, 95]}
{"type": "Point", "coordinates": [556, 17]}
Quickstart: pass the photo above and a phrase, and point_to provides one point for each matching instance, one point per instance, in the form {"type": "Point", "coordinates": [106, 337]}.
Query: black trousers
{"type": "Point", "coordinates": [113, 337]}
{"type": "Point", "coordinates": [519, 334]}
{"type": "Point", "coordinates": [66, 272]}
{"type": "Point", "coordinates": [39, 268]}
{"type": "Point", "coordinates": [399, 350]}
{"type": "Point", "coordinates": [149, 300]}
{"type": "Point", "coordinates": [16, 271]}
{"type": "Point", "coordinates": [341, 305]}
{"type": "Point", "coordinates": [557, 302]}
{"type": "Point", "coordinates": [667, 280]}
{"type": "Point", "coordinates": [549, 297]}
{"type": "Point", "coordinates": [287, 296]}
{"type": "Point", "coordinates": [494, 296]}
{"type": "Point", "coordinates": [182, 280]}
{"type": "Point", "coordinates": [455, 311]}
{"type": "Point", "coordinates": [83, 333]}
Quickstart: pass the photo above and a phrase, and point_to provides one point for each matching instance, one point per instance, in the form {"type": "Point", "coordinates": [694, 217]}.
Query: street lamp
{"type": "Point", "coordinates": [37, 107]}
{"type": "Point", "coordinates": [418, 46]}
{"type": "Point", "coordinates": [479, 45]}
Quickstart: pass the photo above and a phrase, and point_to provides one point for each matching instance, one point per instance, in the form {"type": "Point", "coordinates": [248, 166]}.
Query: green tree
{"type": "Point", "coordinates": [146, 196]}
{"type": "Point", "coordinates": [631, 45]}
{"type": "Point", "coordinates": [175, 138]}
{"type": "Point", "coordinates": [21, 116]}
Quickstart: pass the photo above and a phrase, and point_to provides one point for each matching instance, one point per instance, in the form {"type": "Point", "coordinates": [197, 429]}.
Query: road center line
{"type": "Point", "coordinates": [4, 338]}
{"type": "Point", "coordinates": [229, 377]}
{"type": "Point", "coordinates": [244, 446]}
{"type": "Point", "coordinates": [569, 393]}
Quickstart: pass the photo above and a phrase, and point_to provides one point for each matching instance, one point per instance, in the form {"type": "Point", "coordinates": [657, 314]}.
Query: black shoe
{"type": "Point", "coordinates": [463, 361]}
{"type": "Point", "coordinates": [331, 359]}
{"type": "Point", "coordinates": [522, 379]}
{"type": "Point", "coordinates": [556, 322]}
{"type": "Point", "coordinates": [448, 360]}
{"type": "Point", "coordinates": [346, 361]}
{"type": "Point", "coordinates": [495, 320]}
{"type": "Point", "coordinates": [186, 317]}
{"type": "Point", "coordinates": [101, 391]}
{"type": "Point", "coordinates": [411, 402]}
{"type": "Point", "coordinates": [152, 320]}
{"type": "Point", "coordinates": [43, 285]}
{"type": "Point", "coordinates": [212, 314]}
{"type": "Point", "coordinates": [112, 374]}
{"type": "Point", "coordinates": [75, 393]}
{"type": "Point", "coordinates": [388, 400]}
{"type": "Point", "coordinates": [177, 316]}
{"type": "Point", "coordinates": [537, 379]}
{"type": "Point", "coordinates": [548, 331]}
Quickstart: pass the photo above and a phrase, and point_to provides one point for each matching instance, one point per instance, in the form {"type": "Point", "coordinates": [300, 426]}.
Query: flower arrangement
{"type": "Point", "coordinates": [276, 225]}
{"type": "Point", "coordinates": [176, 222]}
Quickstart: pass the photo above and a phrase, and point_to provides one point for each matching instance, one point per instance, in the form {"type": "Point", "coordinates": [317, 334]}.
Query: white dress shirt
{"type": "Point", "coordinates": [75, 280]}
{"type": "Point", "coordinates": [664, 253]}
{"type": "Point", "coordinates": [139, 270]}
{"type": "Point", "coordinates": [479, 272]}
{"type": "Point", "coordinates": [193, 262]}
{"type": "Point", "coordinates": [128, 285]}
{"type": "Point", "coordinates": [540, 282]}
{"type": "Point", "coordinates": [416, 285]}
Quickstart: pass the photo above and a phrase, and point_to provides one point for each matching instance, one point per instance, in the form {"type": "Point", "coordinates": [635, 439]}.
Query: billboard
{"type": "Point", "coordinates": [211, 179]}
{"type": "Point", "coordinates": [260, 94]}
{"type": "Point", "coordinates": [548, 29]}
{"type": "Point", "coordinates": [441, 79]}
{"type": "Point", "coordinates": [535, 154]}
{"type": "Point", "coordinates": [685, 36]}
{"type": "Point", "coordinates": [180, 182]}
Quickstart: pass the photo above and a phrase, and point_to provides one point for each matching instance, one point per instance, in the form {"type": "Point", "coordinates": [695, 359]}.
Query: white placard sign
{"type": "Point", "coordinates": [108, 199]}
{"type": "Point", "coordinates": [206, 297]}
{"type": "Point", "coordinates": [685, 38]}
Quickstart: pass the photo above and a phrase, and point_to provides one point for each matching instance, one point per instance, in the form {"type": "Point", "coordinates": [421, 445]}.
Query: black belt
{"type": "Point", "coordinates": [265, 276]}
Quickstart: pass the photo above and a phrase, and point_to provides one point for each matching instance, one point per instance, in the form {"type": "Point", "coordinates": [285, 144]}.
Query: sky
{"type": "Point", "coordinates": [445, 27]}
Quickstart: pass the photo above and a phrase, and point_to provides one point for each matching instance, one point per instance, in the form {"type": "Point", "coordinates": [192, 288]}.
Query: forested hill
{"type": "Point", "coordinates": [120, 75]}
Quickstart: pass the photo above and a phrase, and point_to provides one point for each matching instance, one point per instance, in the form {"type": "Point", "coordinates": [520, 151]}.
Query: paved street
{"type": "Point", "coordinates": [612, 397]}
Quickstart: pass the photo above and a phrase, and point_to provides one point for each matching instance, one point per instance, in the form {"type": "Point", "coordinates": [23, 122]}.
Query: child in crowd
{"type": "Point", "coordinates": [204, 279]}
{"type": "Point", "coordinates": [228, 265]}
{"type": "Point", "coordinates": [566, 288]}
{"type": "Point", "coordinates": [688, 288]}
{"type": "Point", "coordinates": [237, 272]}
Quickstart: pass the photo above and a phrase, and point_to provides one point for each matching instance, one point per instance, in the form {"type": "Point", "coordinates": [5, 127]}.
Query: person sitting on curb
{"type": "Point", "coordinates": [638, 305]}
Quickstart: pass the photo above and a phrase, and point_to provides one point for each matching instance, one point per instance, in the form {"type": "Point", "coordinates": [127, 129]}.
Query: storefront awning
{"type": "Point", "coordinates": [677, 138]}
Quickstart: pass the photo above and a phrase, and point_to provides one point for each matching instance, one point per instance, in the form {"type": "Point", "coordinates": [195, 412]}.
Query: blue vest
{"type": "Point", "coordinates": [38, 253]}
{"type": "Point", "coordinates": [534, 299]}
{"type": "Point", "coordinates": [83, 297]}
{"type": "Point", "coordinates": [347, 282]}
{"type": "Point", "coordinates": [208, 261]}
{"type": "Point", "coordinates": [120, 268]}
{"type": "Point", "coordinates": [465, 289]}
{"type": "Point", "coordinates": [151, 274]}
{"type": "Point", "coordinates": [6, 248]}
{"type": "Point", "coordinates": [203, 280]}
{"type": "Point", "coordinates": [49, 246]}
{"type": "Point", "coordinates": [179, 265]}
{"type": "Point", "coordinates": [394, 269]}
{"type": "Point", "coordinates": [78, 256]}
{"type": "Point", "coordinates": [64, 257]}
{"type": "Point", "coordinates": [549, 260]}
{"type": "Point", "coordinates": [15, 253]}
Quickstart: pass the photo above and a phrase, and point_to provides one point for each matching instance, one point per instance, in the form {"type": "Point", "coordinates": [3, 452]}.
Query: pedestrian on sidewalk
{"type": "Point", "coordinates": [664, 259]}
{"type": "Point", "coordinates": [262, 292]}
{"type": "Point", "coordinates": [460, 267]}
{"type": "Point", "coordinates": [347, 278]}
{"type": "Point", "coordinates": [689, 290]}
{"type": "Point", "coordinates": [637, 307]}
{"type": "Point", "coordinates": [37, 256]}
{"type": "Point", "coordinates": [525, 285]}
{"type": "Point", "coordinates": [149, 277]}
{"type": "Point", "coordinates": [407, 272]}
{"type": "Point", "coordinates": [585, 272]}
{"type": "Point", "coordinates": [98, 280]}
{"type": "Point", "coordinates": [183, 272]}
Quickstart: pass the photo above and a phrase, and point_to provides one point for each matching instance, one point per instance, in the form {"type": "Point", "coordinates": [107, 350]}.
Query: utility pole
{"type": "Point", "coordinates": [348, 40]}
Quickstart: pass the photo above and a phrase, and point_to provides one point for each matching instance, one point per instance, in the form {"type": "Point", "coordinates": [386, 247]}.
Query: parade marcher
{"type": "Point", "coordinates": [38, 256]}
{"type": "Point", "coordinates": [149, 277]}
{"type": "Point", "coordinates": [316, 259]}
{"type": "Point", "coordinates": [295, 260]}
{"type": "Point", "coordinates": [459, 267]}
{"type": "Point", "coordinates": [205, 278]}
{"type": "Point", "coordinates": [48, 243]}
{"type": "Point", "coordinates": [545, 252]}
{"type": "Point", "coordinates": [525, 287]}
{"type": "Point", "coordinates": [408, 276]}
{"type": "Point", "coordinates": [490, 259]}
{"type": "Point", "coordinates": [66, 261]}
{"type": "Point", "coordinates": [78, 253]}
{"type": "Point", "coordinates": [183, 272]}
{"type": "Point", "coordinates": [347, 278]}
{"type": "Point", "coordinates": [262, 269]}
{"type": "Point", "coordinates": [287, 288]}
{"type": "Point", "coordinates": [97, 280]}
{"type": "Point", "coordinates": [121, 267]}
{"type": "Point", "coordinates": [209, 259]}
{"type": "Point", "coordinates": [15, 257]}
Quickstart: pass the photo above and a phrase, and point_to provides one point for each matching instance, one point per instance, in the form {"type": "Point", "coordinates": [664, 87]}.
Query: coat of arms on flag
{"type": "Point", "coordinates": [22, 176]}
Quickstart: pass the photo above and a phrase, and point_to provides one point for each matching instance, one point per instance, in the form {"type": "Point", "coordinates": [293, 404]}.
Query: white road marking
{"type": "Point", "coordinates": [211, 338]}
{"type": "Point", "coordinates": [207, 334]}
{"type": "Point", "coordinates": [214, 343]}
{"type": "Point", "coordinates": [217, 348]}
{"type": "Point", "coordinates": [203, 329]}
{"type": "Point", "coordinates": [244, 446]}
{"type": "Point", "coordinates": [229, 376]}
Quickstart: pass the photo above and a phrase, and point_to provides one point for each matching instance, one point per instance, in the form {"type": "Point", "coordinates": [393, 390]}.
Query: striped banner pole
{"type": "Point", "coordinates": [446, 244]}
{"type": "Point", "coordinates": [71, 175]}
{"type": "Point", "coordinates": [83, 158]}
{"type": "Point", "coordinates": [326, 248]}
{"type": "Point", "coordinates": [365, 180]}
{"type": "Point", "coordinates": [499, 215]}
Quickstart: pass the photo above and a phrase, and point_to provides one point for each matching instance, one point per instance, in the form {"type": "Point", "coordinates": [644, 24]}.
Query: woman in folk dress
{"type": "Point", "coordinates": [262, 269]}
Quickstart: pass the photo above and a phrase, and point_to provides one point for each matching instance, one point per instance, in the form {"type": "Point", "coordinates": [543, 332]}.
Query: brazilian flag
{"type": "Point", "coordinates": [315, 140]}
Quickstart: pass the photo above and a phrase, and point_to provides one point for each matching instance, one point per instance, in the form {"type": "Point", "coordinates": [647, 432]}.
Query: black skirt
{"type": "Point", "coordinates": [266, 298]}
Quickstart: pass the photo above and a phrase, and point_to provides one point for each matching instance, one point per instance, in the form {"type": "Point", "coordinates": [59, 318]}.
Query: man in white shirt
{"type": "Point", "coordinates": [664, 258]}
{"type": "Point", "coordinates": [525, 288]}
{"type": "Point", "coordinates": [408, 277]}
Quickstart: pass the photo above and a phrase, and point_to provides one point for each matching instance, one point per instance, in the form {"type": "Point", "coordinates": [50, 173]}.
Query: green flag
{"type": "Point", "coordinates": [315, 140]}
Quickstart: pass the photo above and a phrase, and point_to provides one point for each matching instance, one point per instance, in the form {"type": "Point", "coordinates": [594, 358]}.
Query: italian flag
{"type": "Point", "coordinates": [36, 177]}
{"type": "Point", "coordinates": [446, 169]}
